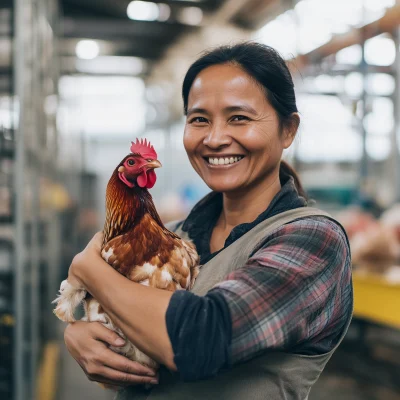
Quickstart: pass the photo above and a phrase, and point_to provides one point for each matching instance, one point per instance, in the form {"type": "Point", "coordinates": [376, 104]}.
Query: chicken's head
{"type": "Point", "coordinates": [137, 168]}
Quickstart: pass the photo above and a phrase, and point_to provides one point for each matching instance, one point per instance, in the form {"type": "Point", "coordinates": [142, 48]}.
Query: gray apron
{"type": "Point", "coordinates": [273, 375]}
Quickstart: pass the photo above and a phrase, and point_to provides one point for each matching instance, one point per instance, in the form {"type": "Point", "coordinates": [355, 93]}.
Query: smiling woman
{"type": "Point", "coordinates": [273, 298]}
{"type": "Point", "coordinates": [228, 117]}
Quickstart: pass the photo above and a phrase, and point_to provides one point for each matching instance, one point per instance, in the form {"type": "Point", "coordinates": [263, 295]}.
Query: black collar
{"type": "Point", "coordinates": [204, 215]}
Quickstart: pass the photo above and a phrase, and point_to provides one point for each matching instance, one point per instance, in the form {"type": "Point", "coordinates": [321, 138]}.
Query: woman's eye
{"type": "Point", "coordinates": [199, 120]}
{"type": "Point", "coordinates": [131, 162]}
{"type": "Point", "coordinates": [236, 118]}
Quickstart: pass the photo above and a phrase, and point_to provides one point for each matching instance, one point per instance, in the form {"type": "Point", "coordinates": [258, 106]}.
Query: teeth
{"type": "Point", "coordinates": [224, 161]}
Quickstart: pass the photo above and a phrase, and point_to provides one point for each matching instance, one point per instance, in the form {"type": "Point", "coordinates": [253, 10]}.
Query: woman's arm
{"type": "Point", "coordinates": [139, 311]}
{"type": "Point", "coordinates": [88, 343]}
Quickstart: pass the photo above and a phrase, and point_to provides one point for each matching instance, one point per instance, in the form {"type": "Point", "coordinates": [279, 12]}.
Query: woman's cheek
{"type": "Point", "coordinates": [265, 137]}
{"type": "Point", "coordinates": [192, 138]}
{"type": "Point", "coordinates": [190, 147]}
{"type": "Point", "coordinates": [187, 140]}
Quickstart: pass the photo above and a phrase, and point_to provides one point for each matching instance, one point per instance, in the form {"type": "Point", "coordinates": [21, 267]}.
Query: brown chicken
{"type": "Point", "coordinates": [136, 244]}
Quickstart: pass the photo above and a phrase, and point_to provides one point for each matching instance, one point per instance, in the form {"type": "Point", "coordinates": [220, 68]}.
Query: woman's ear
{"type": "Point", "coordinates": [290, 130]}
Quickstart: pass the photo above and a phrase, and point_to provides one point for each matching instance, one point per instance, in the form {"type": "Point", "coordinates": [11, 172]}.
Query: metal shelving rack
{"type": "Point", "coordinates": [322, 61]}
{"type": "Point", "coordinates": [29, 228]}
{"type": "Point", "coordinates": [7, 244]}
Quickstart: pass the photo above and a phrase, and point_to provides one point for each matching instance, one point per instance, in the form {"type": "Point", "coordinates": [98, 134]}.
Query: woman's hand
{"type": "Point", "coordinates": [87, 257]}
{"type": "Point", "coordinates": [88, 343]}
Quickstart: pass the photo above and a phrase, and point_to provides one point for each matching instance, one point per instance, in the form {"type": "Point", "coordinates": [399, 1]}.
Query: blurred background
{"type": "Point", "coordinates": [80, 79]}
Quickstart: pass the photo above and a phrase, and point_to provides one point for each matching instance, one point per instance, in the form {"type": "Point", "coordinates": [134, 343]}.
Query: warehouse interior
{"type": "Point", "coordinates": [81, 79]}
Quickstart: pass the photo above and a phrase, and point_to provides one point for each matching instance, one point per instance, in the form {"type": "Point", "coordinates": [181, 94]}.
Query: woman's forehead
{"type": "Point", "coordinates": [225, 82]}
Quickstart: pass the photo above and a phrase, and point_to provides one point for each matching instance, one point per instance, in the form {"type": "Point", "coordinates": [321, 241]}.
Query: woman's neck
{"type": "Point", "coordinates": [246, 206]}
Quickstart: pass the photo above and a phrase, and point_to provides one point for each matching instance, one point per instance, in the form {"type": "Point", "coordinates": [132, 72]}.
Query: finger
{"type": "Point", "coordinates": [118, 378]}
{"type": "Point", "coordinates": [100, 332]}
{"type": "Point", "coordinates": [94, 377]}
{"type": "Point", "coordinates": [123, 364]}
{"type": "Point", "coordinates": [112, 359]}
{"type": "Point", "coordinates": [97, 240]}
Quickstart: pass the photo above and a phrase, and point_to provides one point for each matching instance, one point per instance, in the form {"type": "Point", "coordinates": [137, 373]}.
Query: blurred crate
{"type": "Point", "coordinates": [376, 299]}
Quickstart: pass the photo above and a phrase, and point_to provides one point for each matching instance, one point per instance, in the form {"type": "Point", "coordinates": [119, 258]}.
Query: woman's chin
{"type": "Point", "coordinates": [224, 187]}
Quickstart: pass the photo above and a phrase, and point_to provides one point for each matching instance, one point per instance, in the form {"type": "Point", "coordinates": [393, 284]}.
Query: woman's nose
{"type": "Point", "coordinates": [216, 138]}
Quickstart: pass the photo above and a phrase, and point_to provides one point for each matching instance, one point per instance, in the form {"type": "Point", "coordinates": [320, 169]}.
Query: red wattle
{"type": "Point", "coordinates": [151, 179]}
{"type": "Point", "coordinates": [142, 179]}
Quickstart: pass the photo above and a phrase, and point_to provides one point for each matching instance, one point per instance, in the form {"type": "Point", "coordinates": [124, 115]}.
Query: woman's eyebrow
{"type": "Point", "coordinates": [242, 107]}
{"type": "Point", "coordinates": [196, 110]}
{"type": "Point", "coordinates": [229, 109]}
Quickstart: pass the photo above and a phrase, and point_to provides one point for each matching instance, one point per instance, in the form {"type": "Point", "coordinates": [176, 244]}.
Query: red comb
{"type": "Point", "coordinates": [144, 148]}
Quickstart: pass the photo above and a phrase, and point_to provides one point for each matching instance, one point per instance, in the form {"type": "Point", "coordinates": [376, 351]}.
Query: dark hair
{"type": "Point", "coordinates": [268, 68]}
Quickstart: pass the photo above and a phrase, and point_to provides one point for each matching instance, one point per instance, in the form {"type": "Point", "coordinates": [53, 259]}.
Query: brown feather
{"type": "Point", "coordinates": [137, 244]}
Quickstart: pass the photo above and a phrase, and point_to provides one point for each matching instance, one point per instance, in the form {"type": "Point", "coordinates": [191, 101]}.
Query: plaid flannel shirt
{"type": "Point", "coordinates": [294, 294]}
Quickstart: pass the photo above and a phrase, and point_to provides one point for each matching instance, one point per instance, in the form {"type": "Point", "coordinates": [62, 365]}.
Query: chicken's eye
{"type": "Point", "coordinates": [149, 159]}
{"type": "Point", "coordinates": [131, 162]}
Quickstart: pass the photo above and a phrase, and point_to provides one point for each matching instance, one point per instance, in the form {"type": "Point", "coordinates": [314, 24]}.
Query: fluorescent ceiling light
{"type": "Point", "coordinates": [279, 34]}
{"type": "Point", "coordinates": [112, 65]}
{"type": "Point", "coordinates": [380, 51]}
{"type": "Point", "coordinates": [353, 84]}
{"type": "Point", "coordinates": [105, 107]}
{"type": "Point", "coordinates": [378, 5]}
{"type": "Point", "coordinates": [143, 11]}
{"type": "Point", "coordinates": [350, 55]}
{"type": "Point", "coordinates": [87, 49]}
{"type": "Point", "coordinates": [191, 16]}
{"type": "Point", "coordinates": [380, 84]}
{"type": "Point", "coordinates": [378, 147]}
{"type": "Point", "coordinates": [164, 11]}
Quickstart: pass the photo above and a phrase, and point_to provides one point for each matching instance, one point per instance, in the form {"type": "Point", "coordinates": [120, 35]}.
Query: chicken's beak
{"type": "Point", "coordinates": [153, 164]}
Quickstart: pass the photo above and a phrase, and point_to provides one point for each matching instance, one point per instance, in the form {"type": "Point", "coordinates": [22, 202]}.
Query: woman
{"type": "Point", "coordinates": [281, 296]}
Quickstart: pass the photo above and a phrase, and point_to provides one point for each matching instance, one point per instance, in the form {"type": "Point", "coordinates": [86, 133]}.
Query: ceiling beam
{"type": "Point", "coordinates": [256, 13]}
{"type": "Point", "coordinates": [112, 8]}
{"type": "Point", "coordinates": [117, 8]}
{"type": "Point", "coordinates": [206, 5]}
{"type": "Point", "coordinates": [109, 28]}
{"type": "Point", "coordinates": [388, 23]}
{"type": "Point", "coordinates": [226, 12]}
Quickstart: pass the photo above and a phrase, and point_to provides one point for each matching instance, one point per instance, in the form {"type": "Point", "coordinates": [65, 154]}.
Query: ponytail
{"type": "Point", "coordinates": [286, 170]}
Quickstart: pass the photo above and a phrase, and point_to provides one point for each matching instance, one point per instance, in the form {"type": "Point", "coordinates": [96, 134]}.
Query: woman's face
{"type": "Point", "coordinates": [232, 132]}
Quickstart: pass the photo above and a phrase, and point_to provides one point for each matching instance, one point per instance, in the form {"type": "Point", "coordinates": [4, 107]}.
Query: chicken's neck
{"type": "Point", "coordinates": [125, 208]}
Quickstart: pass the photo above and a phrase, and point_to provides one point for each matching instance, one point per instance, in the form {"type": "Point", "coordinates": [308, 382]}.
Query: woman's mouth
{"type": "Point", "coordinates": [222, 161]}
